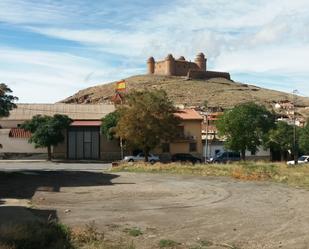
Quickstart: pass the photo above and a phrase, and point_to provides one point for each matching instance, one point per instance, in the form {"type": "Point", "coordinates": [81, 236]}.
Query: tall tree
{"type": "Point", "coordinates": [146, 119]}
{"type": "Point", "coordinates": [47, 131]}
{"type": "Point", "coordinates": [280, 138]}
{"type": "Point", "coordinates": [304, 139]}
{"type": "Point", "coordinates": [245, 126]}
{"type": "Point", "coordinates": [109, 123]}
{"type": "Point", "coordinates": [6, 100]}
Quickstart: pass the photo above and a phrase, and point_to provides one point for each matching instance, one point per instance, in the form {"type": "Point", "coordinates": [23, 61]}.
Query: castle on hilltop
{"type": "Point", "coordinates": [180, 67]}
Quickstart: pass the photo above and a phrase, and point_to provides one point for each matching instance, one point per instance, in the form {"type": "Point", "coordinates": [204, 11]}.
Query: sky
{"type": "Point", "coordinates": [50, 49]}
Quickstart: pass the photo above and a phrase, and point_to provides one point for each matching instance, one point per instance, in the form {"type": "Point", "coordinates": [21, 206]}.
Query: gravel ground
{"type": "Point", "coordinates": [249, 215]}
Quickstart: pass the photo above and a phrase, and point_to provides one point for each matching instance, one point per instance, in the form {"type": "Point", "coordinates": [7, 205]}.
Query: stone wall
{"type": "Point", "coordinates": [181, 67]}
{"type": "Point", "coordinates": [195, 74]}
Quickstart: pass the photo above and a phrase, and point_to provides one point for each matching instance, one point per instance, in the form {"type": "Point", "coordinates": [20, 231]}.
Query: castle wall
{"type": "Point", "coordinates": [196, 74]}
{"type": "Point", "coordinates": [160, 68]}
{"type": "Point", "coordinates": [176, 68]}
{"type": "Point", "coordinates": [182, 67]}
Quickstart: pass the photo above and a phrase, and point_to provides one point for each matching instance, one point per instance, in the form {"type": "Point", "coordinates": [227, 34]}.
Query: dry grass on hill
{"type": "Point", "coordinates": [218, 92]}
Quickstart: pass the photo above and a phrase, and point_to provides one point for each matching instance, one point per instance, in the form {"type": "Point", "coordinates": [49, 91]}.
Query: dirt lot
{"type": "Point", "coordinates": [248, 215]}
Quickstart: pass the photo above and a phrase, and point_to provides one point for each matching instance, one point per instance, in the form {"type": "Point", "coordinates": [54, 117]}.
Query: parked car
{"type": "Point", "coordinates": [302, 160]}
{"type": "Point", "coordinates": [185, 157]}
{"type": "Point", "coordinates": [141, 157]}
{"type": "Point", "coordinates": [226, 156]}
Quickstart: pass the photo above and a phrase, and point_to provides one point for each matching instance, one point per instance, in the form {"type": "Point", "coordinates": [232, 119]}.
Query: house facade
{"type": "Point", "coordinates": [214, 144]}
{"type": "Point", "coordinates": [83, 139]}
{"type": "Point", "coordinates": [189, 138]}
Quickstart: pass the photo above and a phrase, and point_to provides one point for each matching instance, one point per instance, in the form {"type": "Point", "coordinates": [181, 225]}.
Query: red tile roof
{"type": "Point", "coordinates": [19, 133]}
{"type": "Point", "coordinates": [188, 114]}
{"type": "Point", "coordinates": [86, 123]}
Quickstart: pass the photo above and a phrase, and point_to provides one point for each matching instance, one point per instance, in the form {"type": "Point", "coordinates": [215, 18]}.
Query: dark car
{"type": "Point", "coordinates": [226, 156]}
{"type": "Point", "coordinates": [185, 157]}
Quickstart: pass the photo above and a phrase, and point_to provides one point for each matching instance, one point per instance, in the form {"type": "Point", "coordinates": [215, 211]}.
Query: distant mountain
{"type": "Point", "coordinates": [218, 92]}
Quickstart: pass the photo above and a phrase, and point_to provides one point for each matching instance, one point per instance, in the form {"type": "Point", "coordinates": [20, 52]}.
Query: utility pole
{"type": "Point", "coordinates": [295, 144]}
{"type": "Point", "coordinates": [206, 138]}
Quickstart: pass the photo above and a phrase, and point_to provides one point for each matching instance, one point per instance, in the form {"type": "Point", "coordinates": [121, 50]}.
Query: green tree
{"type": "Point", "coordinates": [304, 139]}
{"type": "Point", "coordinates": [245, 126]}
{"type": "Point", "coordinates": [280, 138]}
{"type": "Point", "coordinates": [109, 123]}
{"type": "Point", "coordinates": [47, 131]}
{"type": "Point", "coordinates": [6, 100]}
{"type": "Point", "coordinates": [146, 119]}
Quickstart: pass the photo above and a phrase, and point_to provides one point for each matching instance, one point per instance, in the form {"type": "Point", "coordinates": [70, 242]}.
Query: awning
{"type": "Point", "coordinates": [19, 133]}
{"type": "Point", "coordinates": [86, 123]}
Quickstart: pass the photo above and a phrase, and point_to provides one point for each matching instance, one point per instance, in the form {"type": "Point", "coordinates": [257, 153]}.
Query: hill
{"type": "Point", "coordinates": [218, 92]}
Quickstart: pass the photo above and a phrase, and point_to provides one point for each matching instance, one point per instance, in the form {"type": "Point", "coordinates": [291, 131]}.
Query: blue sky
{"type": "Point", "coordinates": [50, 49]}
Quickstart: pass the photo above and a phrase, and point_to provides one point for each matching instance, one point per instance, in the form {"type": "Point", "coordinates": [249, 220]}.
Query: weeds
{"type": "Point", "coordinates": [52, 235]}
{"type": "Point", "coordinates": [249, 171]}
{"type": "Point", "coordinates": [167, 243]}
{"type": "Point", "coordinates": [134, 232]}
{"type": "Point", "coordinates": [35, 235]}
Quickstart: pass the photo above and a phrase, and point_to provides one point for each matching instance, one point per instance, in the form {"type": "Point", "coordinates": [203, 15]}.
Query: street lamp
{"type": "Point", "coordinates": [295, 151]}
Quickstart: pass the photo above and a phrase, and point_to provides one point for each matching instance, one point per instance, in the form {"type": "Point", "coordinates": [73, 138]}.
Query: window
{"type": "Point", "coordinates": [181, 131]}
{"type": "Point", "coordinates": [192, 147]}
{"type": "Point", "coordinates": [165, 147]}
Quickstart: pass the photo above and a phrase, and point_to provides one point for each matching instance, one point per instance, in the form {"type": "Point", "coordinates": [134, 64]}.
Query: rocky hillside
{"type": "Point", "coordinates": [218, 92]}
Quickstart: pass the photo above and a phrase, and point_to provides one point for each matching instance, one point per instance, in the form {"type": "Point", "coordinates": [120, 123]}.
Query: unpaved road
{"type": "Point", "coordinates": [187, 209]}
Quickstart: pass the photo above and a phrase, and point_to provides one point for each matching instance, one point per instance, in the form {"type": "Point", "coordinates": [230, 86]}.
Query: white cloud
{"type": "Point", "coordinates": [250, 37]}
{"type": "Point", "coordinates": [37, 76]}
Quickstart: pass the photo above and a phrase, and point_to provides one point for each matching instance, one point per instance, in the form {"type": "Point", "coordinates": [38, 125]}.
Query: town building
{"type": "Point", "coordinates": [181, 67]}
{"type": "Point", "coordinates": [83, 139]}
{"type": "Point", "coordinates": [189, 139]}
{"type": "Point", "coordinates": [214, 144]}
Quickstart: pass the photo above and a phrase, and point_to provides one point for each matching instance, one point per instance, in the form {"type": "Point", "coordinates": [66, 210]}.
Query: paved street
{"type": "Point", "coordinates": [41, 165]}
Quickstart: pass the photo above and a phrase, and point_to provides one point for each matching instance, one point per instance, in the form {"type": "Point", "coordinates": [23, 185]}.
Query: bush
{"type": "Point", "coordinates": [35, 235]}
{"type": "Point", "coordinates": [167, 243]}
{"type": "Point", "coordinates": [134, 232]}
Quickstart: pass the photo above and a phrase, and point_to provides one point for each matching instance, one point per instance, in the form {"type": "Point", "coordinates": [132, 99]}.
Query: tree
{"type": "Point", "coordinates": [109, 123]}
{"type": "Point", "coordinates": [304, 139]}
{"type": "Point", "coordinates": [280, 138]}
{"type": "Point", "coordinates": [47, 131]}
{"type": "Point", "coordinates": [6, 100]}
{"type": "Point", "coordinates": [245, 126]}
{"type": "Point", "coordinates": [146, 119]}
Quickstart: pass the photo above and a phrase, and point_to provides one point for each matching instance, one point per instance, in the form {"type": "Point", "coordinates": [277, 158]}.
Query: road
{"type": "Point", "coordinates": [52, 166]}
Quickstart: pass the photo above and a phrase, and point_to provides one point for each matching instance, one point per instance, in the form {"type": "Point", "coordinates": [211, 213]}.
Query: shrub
{"type": "Point", "coordinates": [35, 235]}
{"type": "Point", "coordinates": [167, 243]}
{"type": "Point", "coordinates": [134, 232]}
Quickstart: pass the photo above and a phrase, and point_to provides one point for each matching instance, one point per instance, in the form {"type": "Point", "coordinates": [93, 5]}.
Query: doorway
{"type": "Point", "coordinates": [84, 143]}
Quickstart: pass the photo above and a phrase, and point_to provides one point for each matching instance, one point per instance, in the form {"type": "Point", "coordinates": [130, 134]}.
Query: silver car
{"type": "Point", "coordinates": [301, 160]}
{"type": "Point", "coordinates": [141, 157]}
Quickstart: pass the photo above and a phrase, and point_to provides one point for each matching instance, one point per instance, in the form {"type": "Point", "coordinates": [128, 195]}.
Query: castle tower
{"type": "Point", "coordinates": [170, 65]}
{"type": "Point", "coordinates": [200, 60]}
{"type": "Point", "coordinates": [150, 65]}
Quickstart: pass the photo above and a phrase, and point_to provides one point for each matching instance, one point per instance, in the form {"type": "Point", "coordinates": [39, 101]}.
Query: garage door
{"type": "Point", "coordinates": [84, 143]}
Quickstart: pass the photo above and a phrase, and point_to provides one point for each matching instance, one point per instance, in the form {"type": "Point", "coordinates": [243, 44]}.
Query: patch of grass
{"type": "Point", "coordinates": [205, 243]}
{"type": "Point", "coordinates": [134, 231]}
{"type": "Point", "coordinates": [167, 243]}
{"type": "Point", "coordinates": [35, 235]}
{"type": "Point", "coordinates": [52, 235]}
{"type": "Point", "coordinates": [249, 171]}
